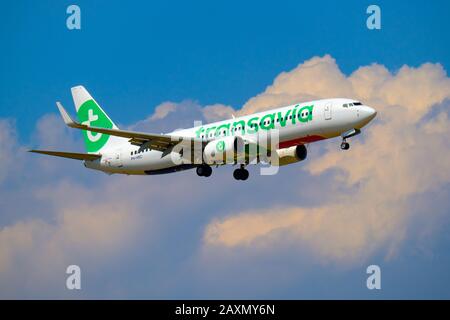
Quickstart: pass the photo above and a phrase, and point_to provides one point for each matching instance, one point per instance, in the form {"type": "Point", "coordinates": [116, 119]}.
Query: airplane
{"type": "Point", "coordinates": [237, 141]}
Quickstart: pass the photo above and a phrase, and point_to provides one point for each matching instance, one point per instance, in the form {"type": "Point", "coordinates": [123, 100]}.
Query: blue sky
{"type": "Point", "coordinates": [155, 237]}
{"type": "Point", "coordinates": [141, 54]}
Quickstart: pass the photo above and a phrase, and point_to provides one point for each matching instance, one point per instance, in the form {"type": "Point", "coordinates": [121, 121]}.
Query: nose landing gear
{"type": "Point", "coordinates": [345, 145]}
{"type": "Point", "coordinates": [241, 173]}
{"type": "Point", "coordinates": [350, 133]}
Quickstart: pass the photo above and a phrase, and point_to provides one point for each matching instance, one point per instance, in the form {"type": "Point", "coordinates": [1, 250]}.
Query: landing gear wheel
{"type": "Point", "coordinates": [204, 171]}
{"type": "Point", "coordinates": [200, 171]}
{"type": "Point", "coordinates": [245, 174]}
{"type": "Point", "coordinates": [237, 174]}
{"type": "Point", "coordinates": [345, 145]}
{"type": "Point", "coordinates": [208, 171]}
{"type": "Point", "coordinates": [241, 174]}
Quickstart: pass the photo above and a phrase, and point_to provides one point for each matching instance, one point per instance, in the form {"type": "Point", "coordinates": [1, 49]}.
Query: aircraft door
{"type": "Point", "coordinates": [328, 110]}
{"type": "Point", "coordinates": [116, 159]}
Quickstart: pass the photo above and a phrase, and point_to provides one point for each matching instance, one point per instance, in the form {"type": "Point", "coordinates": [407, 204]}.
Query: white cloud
{"type": "Point", "coordinates": [400, 157]}
{"type": "Point", "coordinates": [217, 112]}
{"type": "Point", "coordinates": [163, 110]}
{"type": "Point", "coordinates": [302, 84]}
{"type": "Point", "coordinates": [76, 214]}
{"type": "Point", "coordinates": [56, 213]}
{"type": "Point", "coordinates": [170, 116]}
{"type": "Point", "coordinates": [49, 222]}
{"type": "Point", "coordinates": [8, 148]}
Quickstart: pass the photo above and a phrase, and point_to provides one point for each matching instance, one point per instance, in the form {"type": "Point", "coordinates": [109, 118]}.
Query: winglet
{"type": "Point", "coordinates": [66, 117]}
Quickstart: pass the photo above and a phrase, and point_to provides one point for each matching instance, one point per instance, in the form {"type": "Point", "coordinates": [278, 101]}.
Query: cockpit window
{"type": "Point", "coordinates": [352, 104]}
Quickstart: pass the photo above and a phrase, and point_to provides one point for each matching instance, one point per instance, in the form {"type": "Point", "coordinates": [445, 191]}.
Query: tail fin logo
{"type": "Point", "coordinates": [90, 114]}
{"type": "Point", "coordinates": [92, 118]}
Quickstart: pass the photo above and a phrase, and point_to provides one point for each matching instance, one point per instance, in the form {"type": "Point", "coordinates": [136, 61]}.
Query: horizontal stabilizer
{"type": "Point", "coordinates": [70, 155]}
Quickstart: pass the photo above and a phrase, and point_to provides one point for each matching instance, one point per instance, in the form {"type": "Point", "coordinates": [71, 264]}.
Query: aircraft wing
{"type": "Point", "coordinates": [70, 155]}
{"type": "Point", "coordinates": [161, 142]}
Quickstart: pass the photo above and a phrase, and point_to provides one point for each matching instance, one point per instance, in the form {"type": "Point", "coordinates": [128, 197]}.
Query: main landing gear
{"type": "Point", "coordinates": [204, 170]}
{"type": "Point", "coordinates": [241, 173]}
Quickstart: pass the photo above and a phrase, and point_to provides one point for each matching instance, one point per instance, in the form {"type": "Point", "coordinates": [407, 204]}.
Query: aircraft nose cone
{"type": "Point", "coordinates": [368, 113]}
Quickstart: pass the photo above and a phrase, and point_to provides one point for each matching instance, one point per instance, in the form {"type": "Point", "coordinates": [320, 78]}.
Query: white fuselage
{"type": "Point", "coordinates": [312, 121]}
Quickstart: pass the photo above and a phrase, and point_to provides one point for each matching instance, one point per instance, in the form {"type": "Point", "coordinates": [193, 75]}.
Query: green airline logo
{"type": "Point", "coordinates": [90, 114]}
{"type": "Point", "coordinates": [220, 146]}
{"type": "Point", "coordinates": [266, 122]}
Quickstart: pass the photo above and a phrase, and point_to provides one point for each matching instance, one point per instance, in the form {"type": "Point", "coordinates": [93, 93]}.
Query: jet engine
{"type": "Point", "coordinates": [223, 150]}
{"type": "Point", "coordinates": [291, 155]}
